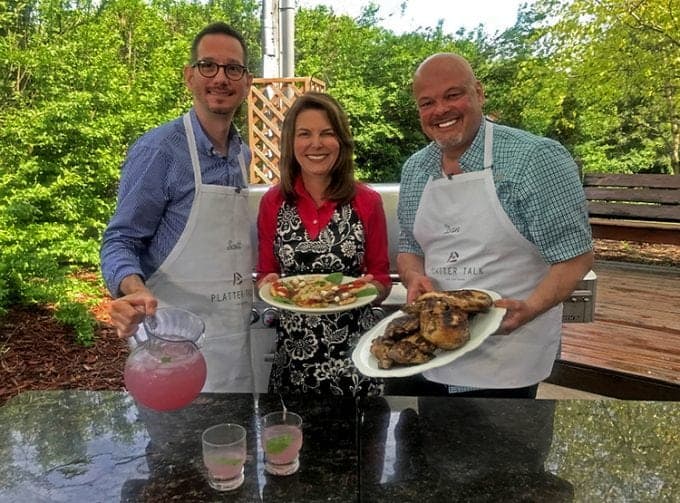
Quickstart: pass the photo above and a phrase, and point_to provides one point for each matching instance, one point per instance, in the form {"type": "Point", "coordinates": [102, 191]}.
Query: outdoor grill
{"type": "Point", "coordinates": [579, 308]}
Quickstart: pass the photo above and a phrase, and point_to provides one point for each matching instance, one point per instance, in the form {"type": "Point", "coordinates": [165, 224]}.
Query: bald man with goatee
{"type": "Point", "coordinates": [491, 207]}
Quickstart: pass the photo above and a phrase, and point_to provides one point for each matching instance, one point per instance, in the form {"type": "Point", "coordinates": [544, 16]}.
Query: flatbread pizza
{"type": "Point", "coordinates": [320, 291]}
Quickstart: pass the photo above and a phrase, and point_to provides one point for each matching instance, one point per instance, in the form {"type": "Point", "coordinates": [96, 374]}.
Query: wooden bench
{"type": "Point", "coordinates": [634, 207]}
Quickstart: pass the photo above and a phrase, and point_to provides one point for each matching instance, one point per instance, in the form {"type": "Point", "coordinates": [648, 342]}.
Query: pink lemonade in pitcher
{"type": "Point", "coordinates": [282, 442]}
{"type": "Point", "coordinates": [166, 379]}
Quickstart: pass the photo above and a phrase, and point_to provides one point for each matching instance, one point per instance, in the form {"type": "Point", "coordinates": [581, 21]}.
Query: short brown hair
{"type": "Point", "coordinates": [342, 186]}
{"type": "Point", "coordinates": [218, 28]}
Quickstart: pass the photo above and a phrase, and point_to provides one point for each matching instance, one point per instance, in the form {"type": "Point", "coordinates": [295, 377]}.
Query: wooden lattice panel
{"type": "Point", "coordinates": [268, 101]}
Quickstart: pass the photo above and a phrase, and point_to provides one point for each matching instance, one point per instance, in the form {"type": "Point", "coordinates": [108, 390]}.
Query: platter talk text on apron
{"type": "Point", "coordinates": [470, 242]}
{"type": "Point", "coordinates": [209, 272]}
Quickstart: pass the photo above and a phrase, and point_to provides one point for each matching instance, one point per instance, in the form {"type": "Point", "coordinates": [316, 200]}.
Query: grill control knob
{"type": "Point", "coordinates": [270, 317]}
{"type": "Point", "coordinates": [254, 316]}
{"type": "Point", "coordinates": [379, 313]}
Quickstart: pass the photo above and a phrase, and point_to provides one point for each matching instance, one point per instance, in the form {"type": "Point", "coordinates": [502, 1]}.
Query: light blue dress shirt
{"type": "Point", "coordinates": [537, 183]}
{"type": "Point", "coordinates": [156, 194]}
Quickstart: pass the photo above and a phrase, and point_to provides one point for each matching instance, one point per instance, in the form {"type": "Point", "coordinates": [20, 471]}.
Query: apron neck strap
{"type": "Point", "coordinates": [488, 144]}
{"type": "Point", "coordinates": [193, 152]}
{"type": "Point", "coordinates": [244, 171]}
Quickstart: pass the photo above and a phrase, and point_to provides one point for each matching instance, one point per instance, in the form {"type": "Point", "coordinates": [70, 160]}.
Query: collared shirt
{"type": "Point", "coordinates": [537, 183]}
{"type": "Point", "coordinates": [156, 194]}
{"type": "Point", "coordinates": [368, 205]}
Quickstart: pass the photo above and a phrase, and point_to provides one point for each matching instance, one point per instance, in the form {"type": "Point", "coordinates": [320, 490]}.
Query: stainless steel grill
{"type": "Point", "coordinates": [579, 308]}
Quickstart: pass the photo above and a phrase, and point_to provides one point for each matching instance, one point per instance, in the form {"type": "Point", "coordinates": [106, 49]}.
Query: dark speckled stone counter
{"type": "Point", "coordinates": [78, 446]}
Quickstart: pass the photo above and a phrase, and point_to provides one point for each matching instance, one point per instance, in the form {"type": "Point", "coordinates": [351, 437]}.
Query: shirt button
{"type": "Point", "coordinates": [315, 221]}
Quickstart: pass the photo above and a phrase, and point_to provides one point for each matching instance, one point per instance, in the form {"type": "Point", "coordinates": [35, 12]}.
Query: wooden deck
{"type": "Point", "coordinates": [632, 348]}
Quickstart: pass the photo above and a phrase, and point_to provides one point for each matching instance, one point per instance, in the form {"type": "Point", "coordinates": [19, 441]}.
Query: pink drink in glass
{"type": "Point", "coordinates": [224, 453]}
{"type": "Point", "coordinates": [280, 435]}
{"type": "Point", "coordinates": [226, 464]}
{"type": "Point", "coordinates": [166, 380]}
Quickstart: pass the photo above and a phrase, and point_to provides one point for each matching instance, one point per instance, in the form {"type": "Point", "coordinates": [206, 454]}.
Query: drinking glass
{"type": "Point", "coordinates": [281, 442]}
{"type": "Point", "coordinates": [224, 454]}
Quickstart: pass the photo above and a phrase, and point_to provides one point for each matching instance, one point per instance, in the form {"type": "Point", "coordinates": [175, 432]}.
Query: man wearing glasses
{"type": "Point", "coordinates": [180, 235]}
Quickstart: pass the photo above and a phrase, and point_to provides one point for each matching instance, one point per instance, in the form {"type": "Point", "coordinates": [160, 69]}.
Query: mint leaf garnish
{"type": "Point", "coordinates": [278, 444]}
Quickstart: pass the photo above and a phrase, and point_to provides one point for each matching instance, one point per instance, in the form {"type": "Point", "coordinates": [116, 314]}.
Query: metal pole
{"type": "Point", "coordinates": [287, 8]}
{"type": "Point", "coordinates": [270, 38]}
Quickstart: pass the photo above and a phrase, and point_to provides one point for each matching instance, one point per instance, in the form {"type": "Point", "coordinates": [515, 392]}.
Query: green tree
{"type": "Point", "coordinates": [369, 70]}
{"type": "Point", "coordinates": [81, 82]}
{"type": "Point", "coordinates": [623, 73]}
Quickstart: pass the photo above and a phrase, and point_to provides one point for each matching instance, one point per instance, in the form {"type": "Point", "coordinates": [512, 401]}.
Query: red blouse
{"type": "Point", "coordinates": [368, 205]}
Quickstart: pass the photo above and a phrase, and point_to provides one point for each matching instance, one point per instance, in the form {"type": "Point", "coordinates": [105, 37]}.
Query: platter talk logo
{"type": "Point", "coordinates": [238, 279]}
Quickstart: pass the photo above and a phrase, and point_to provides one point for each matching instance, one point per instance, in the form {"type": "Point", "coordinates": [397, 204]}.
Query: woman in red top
{"type": "Point", "coordinates": [318, 219]}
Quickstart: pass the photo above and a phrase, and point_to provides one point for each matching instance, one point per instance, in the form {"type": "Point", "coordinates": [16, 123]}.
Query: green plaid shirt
{"type": "Point", "coordinates": [537, 183]}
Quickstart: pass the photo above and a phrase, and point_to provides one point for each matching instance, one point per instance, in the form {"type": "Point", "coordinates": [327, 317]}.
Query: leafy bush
{"type": "Point", "coordinates": [79, 85]}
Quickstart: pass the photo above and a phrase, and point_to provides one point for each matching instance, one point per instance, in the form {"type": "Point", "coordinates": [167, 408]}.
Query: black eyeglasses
{"type": "Point", "coordinates": [209, 69]}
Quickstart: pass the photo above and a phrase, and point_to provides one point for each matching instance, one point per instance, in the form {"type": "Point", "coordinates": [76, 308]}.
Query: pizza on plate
{"type": "Point", "coordinates": [319, 291]}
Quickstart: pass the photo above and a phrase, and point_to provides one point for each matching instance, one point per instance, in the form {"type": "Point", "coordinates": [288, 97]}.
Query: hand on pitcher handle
{"type": "Point", "coordinates": [129, 311]}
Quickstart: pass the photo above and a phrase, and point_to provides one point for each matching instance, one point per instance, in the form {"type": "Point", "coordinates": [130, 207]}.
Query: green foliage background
{"type": "Point", "coordinates": [80, 80]}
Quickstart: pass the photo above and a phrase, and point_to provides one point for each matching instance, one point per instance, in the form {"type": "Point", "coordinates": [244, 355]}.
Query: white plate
{"type": "Point", "coordinates": [266, 296]}
{"type": "Point", "coordinates": [482, 325]}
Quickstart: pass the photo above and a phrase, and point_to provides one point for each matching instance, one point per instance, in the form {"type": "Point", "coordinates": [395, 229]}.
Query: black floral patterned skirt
{"type": "Point", "coordinates": [314, 354]}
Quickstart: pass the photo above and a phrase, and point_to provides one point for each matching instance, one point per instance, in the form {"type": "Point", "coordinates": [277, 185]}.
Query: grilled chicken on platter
{"type": "Point", "coordinates": [435, 320]}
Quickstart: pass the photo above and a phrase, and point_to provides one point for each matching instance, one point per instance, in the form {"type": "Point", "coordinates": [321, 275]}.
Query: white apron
{"type": "Point", "coordinates": [470, 242]}
{"type": "Point", "coordinates": [209, 272]}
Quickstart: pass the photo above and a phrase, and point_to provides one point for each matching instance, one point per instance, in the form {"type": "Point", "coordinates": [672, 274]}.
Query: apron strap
{"type": "Point", "coordinates": [488, 144]}
{"type": "Point", "coordinates": [193, 152]}
{"type": "Point", "coordinates": [244, 171]}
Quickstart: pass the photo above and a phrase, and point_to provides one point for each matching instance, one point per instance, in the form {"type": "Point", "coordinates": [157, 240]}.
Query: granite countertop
{"type": "Point", "coordinates": [66, 446]}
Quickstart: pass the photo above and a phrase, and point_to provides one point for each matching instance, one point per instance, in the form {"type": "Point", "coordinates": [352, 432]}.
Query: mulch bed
{"type": "Point", "coordinates": [39, 353]}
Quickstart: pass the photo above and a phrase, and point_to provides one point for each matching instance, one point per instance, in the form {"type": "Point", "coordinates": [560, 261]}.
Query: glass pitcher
{"type": "Point", "coordinates": [167, 371]}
